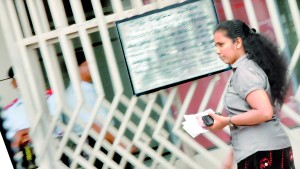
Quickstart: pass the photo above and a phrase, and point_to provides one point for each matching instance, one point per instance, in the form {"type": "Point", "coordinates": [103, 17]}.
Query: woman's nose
{"type": "Point", "coordinates": [218, 51]}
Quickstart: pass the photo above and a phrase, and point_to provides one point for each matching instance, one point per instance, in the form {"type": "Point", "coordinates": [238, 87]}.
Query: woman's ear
{"type": "Point", "coordinates": [239, 42]}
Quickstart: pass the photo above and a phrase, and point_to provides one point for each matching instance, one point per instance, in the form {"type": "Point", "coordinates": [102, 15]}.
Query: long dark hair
{"type": "Point", "coordinates": [263, 52]}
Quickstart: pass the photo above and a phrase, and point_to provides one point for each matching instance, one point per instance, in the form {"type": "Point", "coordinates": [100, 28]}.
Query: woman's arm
{"type": "Point", "coordinates": [261, 111]}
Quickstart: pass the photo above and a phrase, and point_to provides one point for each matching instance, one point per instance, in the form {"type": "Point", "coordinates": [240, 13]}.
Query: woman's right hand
{"type": "Point", "coordinates": [219, 121]}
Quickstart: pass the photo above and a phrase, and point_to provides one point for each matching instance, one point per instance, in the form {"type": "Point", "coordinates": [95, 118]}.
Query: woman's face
{"type": "Point", "coordinates": [226, 48]}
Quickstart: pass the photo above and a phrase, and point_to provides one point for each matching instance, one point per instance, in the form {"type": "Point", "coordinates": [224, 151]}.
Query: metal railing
{"type": "Point", "coordinates": [151, 123]}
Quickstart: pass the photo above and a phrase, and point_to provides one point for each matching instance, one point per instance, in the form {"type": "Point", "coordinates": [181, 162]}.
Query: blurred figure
{"type": "Point", "coordinates": [15, 115]}
{"type": "Point", "coordinates": [17, 124]}
{"type": "Point", "coordinates": [84, 114]}
{"type": "Point", "coordinates": [89, 97]}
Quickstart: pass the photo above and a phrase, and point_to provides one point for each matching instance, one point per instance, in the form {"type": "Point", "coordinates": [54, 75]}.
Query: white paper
{"type": "Point", "coordinates": [192, 125]}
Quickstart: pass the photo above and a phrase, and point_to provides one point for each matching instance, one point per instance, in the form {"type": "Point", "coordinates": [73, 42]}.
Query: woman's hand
{"type": "Point", "coordinates": [219, 121]}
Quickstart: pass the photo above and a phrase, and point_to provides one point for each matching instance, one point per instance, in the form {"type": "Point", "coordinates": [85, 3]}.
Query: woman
{"type": "Point", "coordinates": [255, 94]}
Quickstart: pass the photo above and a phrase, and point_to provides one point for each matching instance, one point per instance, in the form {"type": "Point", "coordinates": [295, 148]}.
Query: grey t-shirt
{"type": "Point", "coordinates": [246, 140]}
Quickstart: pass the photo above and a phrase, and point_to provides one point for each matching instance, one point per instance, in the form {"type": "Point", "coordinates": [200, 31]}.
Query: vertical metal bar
{"type": "Point", "coordinates": [227, 9]}
{"type": "Point", "coordinates": [294, 60]}
{"type": "Point", "coordinates": [87, 47]}
{"type": "Point", "coordinates": [34, 16]}
{"type": "Point", "coordinates": [24, 21]}
{"type": "Point", "coordinates": [295, 15]}
{"type": "Point", "coordinates": [90, 57]}
{"type": "Point", "coordinates": [297, 95]}
{"type": "Point", "coordinates": [276, 25]}
{"type": "Point", "coordinates": [77, 11]}
{"type": "Point", "coordinates": [42, 15]}
{"type": "Point", "coordinates": [251, 14]}
{"type": "Point", "coordinates": [113, 68]}
{"type": "Point", "coordinates": [136, 3]}
{"type": "Point", "coordinates": [13, 18]}
{"type": "Point", "coordinates": [51, 61]}
{"type": "Point", "coordinates": [116, 5]}
{"type": "Point", "coordinates": [58, 13]}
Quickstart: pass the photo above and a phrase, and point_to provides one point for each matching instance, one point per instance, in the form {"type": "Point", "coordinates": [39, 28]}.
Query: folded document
{"type": "Point", "coordinates": [192, 125]}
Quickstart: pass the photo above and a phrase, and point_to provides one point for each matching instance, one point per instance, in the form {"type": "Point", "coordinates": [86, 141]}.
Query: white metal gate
{"type": "Point", "coordinates": [46, 32]}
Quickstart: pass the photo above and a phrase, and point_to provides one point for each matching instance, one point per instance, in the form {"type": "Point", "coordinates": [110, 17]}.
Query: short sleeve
{"type": "Point", "coordinates": [250, 79]}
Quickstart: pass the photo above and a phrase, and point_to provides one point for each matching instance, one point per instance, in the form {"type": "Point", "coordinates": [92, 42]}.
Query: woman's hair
{"type": "Point", "coordinates": [263, 52]}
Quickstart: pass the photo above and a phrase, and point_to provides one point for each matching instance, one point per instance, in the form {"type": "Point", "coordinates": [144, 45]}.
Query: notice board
{"type": "Point", "coordinates": [170, 46]}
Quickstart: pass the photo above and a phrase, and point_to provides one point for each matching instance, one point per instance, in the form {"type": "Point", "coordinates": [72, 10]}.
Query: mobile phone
{"type": "Point", "coordinates": [208, 120]}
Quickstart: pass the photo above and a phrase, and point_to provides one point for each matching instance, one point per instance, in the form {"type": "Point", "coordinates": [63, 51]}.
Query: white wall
{"type": "Point", "coordinates": [7, 93]}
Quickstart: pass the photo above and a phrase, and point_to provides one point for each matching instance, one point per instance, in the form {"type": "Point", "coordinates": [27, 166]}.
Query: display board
{"type": "Point", "coordinates": [170, 46]}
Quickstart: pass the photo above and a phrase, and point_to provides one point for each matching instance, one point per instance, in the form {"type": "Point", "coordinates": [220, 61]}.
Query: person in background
{"type": "Point", "coordinates": [17, 124]}
{"type": "Point", "coordinates": [89, 97]}
{"type": "Point", "coordinates": [254, 96]}
{"type": "Point", "coordinates": [15, 115]}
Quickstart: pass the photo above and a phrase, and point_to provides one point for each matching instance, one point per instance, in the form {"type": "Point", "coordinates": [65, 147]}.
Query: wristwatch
{"type": "Point", "coordinates": [230, 122]}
